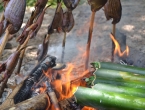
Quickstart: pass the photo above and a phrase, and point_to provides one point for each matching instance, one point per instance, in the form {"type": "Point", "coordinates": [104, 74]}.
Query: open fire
{"type": "Point", "coordinates": [58, 85]}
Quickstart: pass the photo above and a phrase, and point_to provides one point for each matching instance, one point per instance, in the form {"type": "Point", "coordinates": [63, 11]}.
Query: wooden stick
{"type": "Point", "coordinates": [40, 102]}
{"type": "Point", "coordinates": [89, 40]}
{"type": "Point", "coordinates": [63, 47]}
{"type": "Point", "coordinates": [113, 46]}
{"type": "Point", "coordinates": [64, 40]}
{"type": "Point", "coordinates": [5, 39]}
{"type": "Point", "coordinates": [2, 17]}
{"type": "Point", "coordinates": [22, 54]}
{"type": "Point", "coordinates": [20, 61]}
{"type": "Point", "coordinates": [52, 96]}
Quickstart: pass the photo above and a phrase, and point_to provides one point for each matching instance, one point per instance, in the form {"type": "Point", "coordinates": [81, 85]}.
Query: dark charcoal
{"type": "Point", "coordinates": [74, 105]}
{"type": "Point", "coordinates": [25, 91]}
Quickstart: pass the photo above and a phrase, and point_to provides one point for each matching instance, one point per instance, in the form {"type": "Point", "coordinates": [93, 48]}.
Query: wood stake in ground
{"type": "Point", "coordinates": [22, 54]}
{"type": "Point", "coordinates": [113, 45]}
{"type": "Point", "coordinates": [89, 40]}
{"type": "Point", "coordinates": [63, 47]}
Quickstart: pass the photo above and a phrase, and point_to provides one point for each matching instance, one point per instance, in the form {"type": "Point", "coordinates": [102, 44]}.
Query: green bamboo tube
{"type": "Point", "coordinates": [120, 89]}
{"type": "Point", "coordinates": [119, 67]}
{"type": "Point", "coordinates": [93, 98]}
{"type": "Point", "coordinates": [137, 85]}
{"type": "Point", "coordinates": [119, 75]}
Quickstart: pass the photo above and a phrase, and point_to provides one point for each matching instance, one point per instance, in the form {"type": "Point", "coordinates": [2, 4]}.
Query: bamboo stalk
{"type": "Point", "coordinates": [120, 89]}
{"type": "Point", "coordinates": [119, 75]}
{"type": "Point", "coordinates": [5, 39]}
{"type": "Point", "coordinates": [95, 98]}
{"type": "Point", "coordinates": [113, 45]}
{"type": "Point", "coordinates": [89, 40]}
{"type": "Point", "coordinates": [119, 67]}
{"type": "Point", "coordinates": [138, 85]}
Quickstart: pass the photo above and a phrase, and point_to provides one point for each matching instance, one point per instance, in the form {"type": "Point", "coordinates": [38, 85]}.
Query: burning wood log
{"type": "Point", "coordinates": [52, 96]}
{"type": "Point", "coordinates": [95, 6]}
{"type": "Point", "coordinates": [113, 9]}
{"type": "Point", "coordinates": [25, 90]}
{"type": "Point", "coordinates": [40, 102]}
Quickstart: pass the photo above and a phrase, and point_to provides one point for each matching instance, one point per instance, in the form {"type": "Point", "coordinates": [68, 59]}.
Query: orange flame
{"type": "Point", "coordinates": [68, 83]}
{"type": "Point", "coordinates": [117, 49]}
{"type": "Point", "coordinates": [43, 88]}
{"type": "Point", "coordinates": [88, 108]}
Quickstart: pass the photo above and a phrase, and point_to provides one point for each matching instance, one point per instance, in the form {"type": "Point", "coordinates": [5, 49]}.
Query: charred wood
{"type": "Point", "coordinates": [25, 91]}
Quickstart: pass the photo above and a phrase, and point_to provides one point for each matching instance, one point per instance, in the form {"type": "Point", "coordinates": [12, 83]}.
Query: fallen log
{"type": "Point", "coordinates": [40, 102]}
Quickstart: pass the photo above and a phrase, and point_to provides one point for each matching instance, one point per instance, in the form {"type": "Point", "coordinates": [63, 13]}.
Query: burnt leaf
{"type": "Point", "coordinates": [34, 28]}
{"type": "Point", "coordinates": [39, 6]}
{"type": "Point", "coordinates": [57, 20]}
{"type": "Point", "coordinates": [113, 9]}
{"type": "Point", "coordinates": [68, 21]}
{"type": "Point", "coordinates": [21, 39]}
{"type": "Point", "coordinates": [96, 5]}
{"type": "Point", "coordinates": [71, 4]}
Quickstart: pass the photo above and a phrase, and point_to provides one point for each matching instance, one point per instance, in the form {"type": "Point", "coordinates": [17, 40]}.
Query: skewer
{"type": "Point", "coordinates": [4, 41]}
{"type": "Point", "coordinates": [63, 47]}
{"type": "Point", "coordinates": [113, 46]}
{"type": "Point", "coordinates": [89, 40]}
{"type": "Point", "coordinates": [22, 54]}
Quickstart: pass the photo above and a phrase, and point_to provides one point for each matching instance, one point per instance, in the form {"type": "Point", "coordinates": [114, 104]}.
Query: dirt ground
{"type": "Point", "coordinates": [131, 25]}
